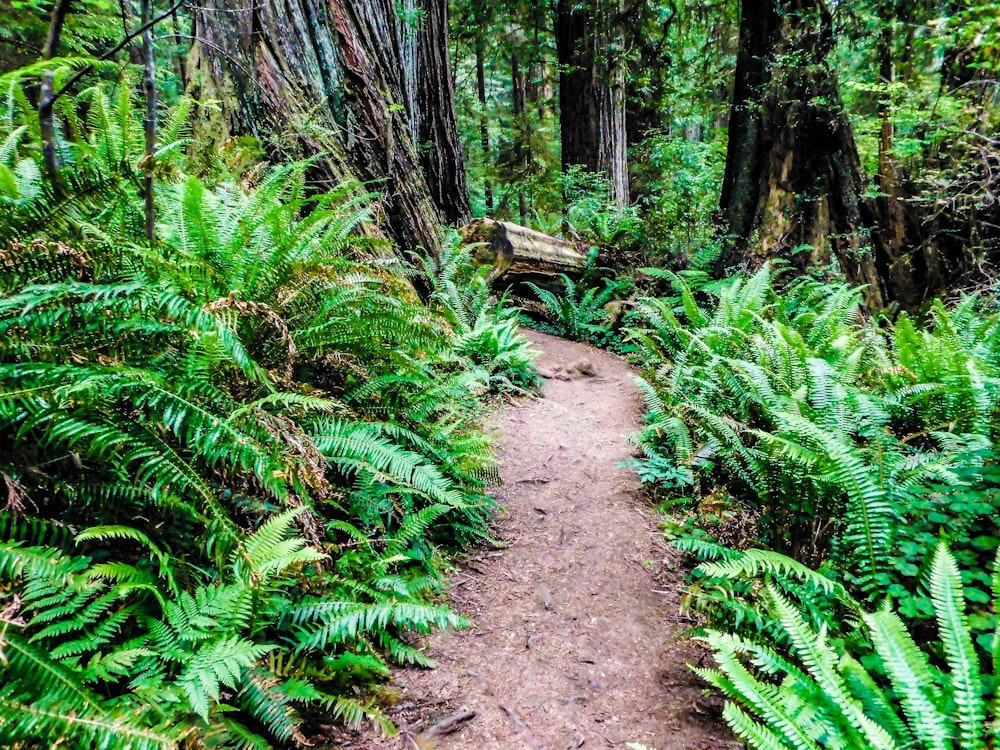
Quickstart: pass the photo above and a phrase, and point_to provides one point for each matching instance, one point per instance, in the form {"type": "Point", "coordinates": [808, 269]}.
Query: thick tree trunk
{"type": "Point", "coordinates": [522, 146]}
{"type": "Point", "coordinates": [577, 107]}
{"type": "Point", "coordinates": [326, 79]}
{"type": "Point", "coordinates": [793, 176]}
{"type": "Point", "coordinates": [905, 282]}
{"type": "Point", "coordinates": [741, 182]}
{"type": "Point", "coordinates": [592, 92]}
{"type": "Point", "coordinates": [609, 91]}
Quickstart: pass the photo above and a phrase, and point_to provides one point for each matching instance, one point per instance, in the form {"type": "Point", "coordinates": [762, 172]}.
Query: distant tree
{"type": "Point", "coordinates": [592, 90]}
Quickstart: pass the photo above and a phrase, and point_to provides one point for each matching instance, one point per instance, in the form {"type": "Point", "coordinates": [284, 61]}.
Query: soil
{"type": "Point", "coordinates": [576, 637]}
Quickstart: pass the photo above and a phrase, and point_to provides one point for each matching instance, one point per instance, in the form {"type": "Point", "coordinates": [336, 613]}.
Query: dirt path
{"type": "Point", "coordinates": [573, 638]}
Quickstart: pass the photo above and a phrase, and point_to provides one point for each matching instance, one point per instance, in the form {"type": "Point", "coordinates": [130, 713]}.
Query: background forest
{"type": "Point", "coordinates": [244, 355]}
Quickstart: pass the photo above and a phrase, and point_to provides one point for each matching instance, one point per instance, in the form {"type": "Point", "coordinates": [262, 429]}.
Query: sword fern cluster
{"type": "Point", "coordinates": [863, 681]}
{"type": "Point", "coordinates": [227, 459]}
{"type": "Point", "coordinates": [488, 338]}
{"type": "Point", "coordinates": [855, 446]}
{"type": "Point", "coordinates": [827, 427]}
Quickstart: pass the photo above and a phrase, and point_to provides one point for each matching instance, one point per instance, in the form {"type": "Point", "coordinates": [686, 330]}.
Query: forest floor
{"type": "Point", "coordinates": [575, 637]}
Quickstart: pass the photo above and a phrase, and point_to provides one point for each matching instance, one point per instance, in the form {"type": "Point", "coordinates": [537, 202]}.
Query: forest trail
{"type": "Point", "coordinates": [573, 638]}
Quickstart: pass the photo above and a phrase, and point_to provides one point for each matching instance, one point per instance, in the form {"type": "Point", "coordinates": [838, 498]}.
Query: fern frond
{"type": "Point", "coordinates": [949, 606]}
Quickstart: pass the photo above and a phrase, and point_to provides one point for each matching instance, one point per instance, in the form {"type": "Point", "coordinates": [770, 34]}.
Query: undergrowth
{"type": "Point", "coordinates": [785, 431]}
{"type": "Point", "coordinates": [230, 459]}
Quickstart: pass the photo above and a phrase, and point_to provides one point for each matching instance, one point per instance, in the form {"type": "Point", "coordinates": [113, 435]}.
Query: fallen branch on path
{"type": "Point", "coordinates": [449, 724]}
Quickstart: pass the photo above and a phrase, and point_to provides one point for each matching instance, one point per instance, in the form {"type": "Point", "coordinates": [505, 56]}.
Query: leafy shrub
{"type": "Point", "coordinates": [591, 216]}
{"type": "Point", "coordinates": [964, 516]}
{"type": "Point", "coordinates": [678, 181]}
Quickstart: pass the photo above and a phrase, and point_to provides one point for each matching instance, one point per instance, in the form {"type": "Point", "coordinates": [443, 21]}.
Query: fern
{"type": "Point", "coordinates": [203, 435]}
{"type": "Point", "coordinates": [577, 314]}
{"type": "Point", "coordinates": [824, 426]}
{"type": "Point", "coordinates": [901, 700]}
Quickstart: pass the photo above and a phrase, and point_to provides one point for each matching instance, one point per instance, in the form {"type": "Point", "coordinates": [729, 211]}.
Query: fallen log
{"type": "Point", "coordinates": [519, 254]}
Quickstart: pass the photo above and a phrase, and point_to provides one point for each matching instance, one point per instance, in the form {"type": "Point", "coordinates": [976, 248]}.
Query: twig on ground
{"type": "Point", "coordinates": [449, 724]}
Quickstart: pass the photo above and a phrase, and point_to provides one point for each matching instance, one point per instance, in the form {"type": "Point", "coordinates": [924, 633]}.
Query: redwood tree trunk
{"type": "Point", "coordinates": [793, 175]}
{"type": "Point", "coordinates": [592, 92]}
{"type": "Point", "coordinates": [522, 148]}
{"type": "Point", "coordinates": [906, 276]}
{"type": "Point", "coordinates": [326, 78]}
{"type": "Point", "coordinates": [484, 125]}
{"type": "Point", "coordinates": [741, 182]}
{"type": "Point", "coordinates": [436, 127]}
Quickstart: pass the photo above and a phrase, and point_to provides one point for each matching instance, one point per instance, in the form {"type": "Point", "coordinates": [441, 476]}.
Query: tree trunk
{"type": "Point", "coordinates": [149, 122]}
{"type": "Point", "coordinates": [484, 125]}
{"type": "Point", "coordinates": [609, 90]}
{"type": "Point", "coordinates": [522, 148]}
{"type": "Point", "coordinates": [436, 125]}
{"type": "Point", "coordinates": [518, 253]}
{"type": "Point", "coordinates": [327, 79]}
{"type": "Point", "coordinates": [645, 92]}
{"type": "Point", "coordinates": [741, 182]}
{"type": "Point", "coordinates": [904, 281]}
{"type": "Point", "coordinates": [793, 175]}
{"type": "Point", "coordinates": [592, 92]}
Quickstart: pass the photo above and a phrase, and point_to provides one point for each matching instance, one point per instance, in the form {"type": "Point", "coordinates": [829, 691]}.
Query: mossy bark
{"type": "Point", "coordinates": [326, 79]}
{"type": "Point", "coordinates": [793, 186]}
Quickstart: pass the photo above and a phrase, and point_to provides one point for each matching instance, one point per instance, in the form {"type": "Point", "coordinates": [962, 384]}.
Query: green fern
{"type": "Point", "coordinates": [203, 435]}
{"type": "Point", "coordinates": [576, 314]}
{"type": "Point", "coordinates": [825, 426]}
{"type": "Point", "coordinates": [824, 697]}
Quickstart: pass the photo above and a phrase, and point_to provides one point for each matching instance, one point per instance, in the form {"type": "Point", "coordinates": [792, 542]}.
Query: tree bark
{"type": "Point", "coordinates": [326, 79]}
{"type": "Point", "coordinates": [522, 147]}
{"type": "Point", "coordinates": [793, 175]}
{"type": "Point", "coordinates": [741, 181]}
{"type": "Point", "coordinates": [904, 281]}
{"type": "Point", "coordinates": [484, 125]}
{"type": "Point", "coordinates": [609, 90]}
{"type": "Point", "coordinates": [592, 92]}
{"type": "Point", "coordinates": [518, 253]}
{"type": "Point", "coordinates": [436, 123]}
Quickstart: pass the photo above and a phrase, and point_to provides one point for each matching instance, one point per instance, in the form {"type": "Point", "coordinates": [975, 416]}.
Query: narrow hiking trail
{"type": "Point", "coordinates": [573, 638]}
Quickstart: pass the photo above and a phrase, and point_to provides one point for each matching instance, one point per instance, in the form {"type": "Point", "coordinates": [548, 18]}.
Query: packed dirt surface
{"type": "Point", "coordinates": [575, 629]}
